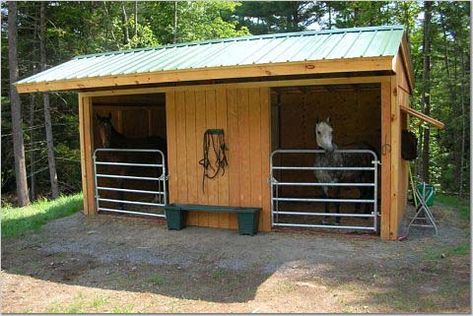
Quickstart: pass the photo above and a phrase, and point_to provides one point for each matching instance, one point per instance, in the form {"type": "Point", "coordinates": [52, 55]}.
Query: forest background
{"type": "Point", "coordinates": [49, 33]}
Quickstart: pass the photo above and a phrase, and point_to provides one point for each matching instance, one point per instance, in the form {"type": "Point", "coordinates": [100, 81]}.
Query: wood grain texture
{"type": "Point", "coordinates": [89, 148]}
{"type": "Point", "coordinates": [172, 146]}
{"type": "Point", "coordinates": [395, 161]}
{"type": "Point", "coordinates": [83, 161]}
{"type": "Point", "coordinates": [265, 139]}
{"type": "Point", "coordinates": [234, 153]}
{"type": "Point", "coordinates": [223, 182]}
{"type": "Point", "coordinates": [385, 160]}
{"type": "Point", "coordinates": [243, 111]}
{"type": "Point", "coordinates": [211, 73]}
{"type": "Point", "coordinates": [239, 112]}
{"type": "Point", "coordinates": [119, 92]}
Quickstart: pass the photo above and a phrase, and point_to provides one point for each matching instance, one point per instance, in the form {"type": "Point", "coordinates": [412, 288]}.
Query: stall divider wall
{"type": "Point", "coordinates": [243, 111]}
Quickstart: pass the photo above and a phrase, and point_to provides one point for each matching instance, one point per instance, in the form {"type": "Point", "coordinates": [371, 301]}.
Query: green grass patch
{"type": "Point", "coordinates": [462, 205]}
{"type": "Point", "coordinates": [156, 279]}
{"type": "Point", "coordinates": [461, 250]}
{"type": "Point", "coordinates": [79, 305]}
{"type": "Point", "coordinates": [19, 220]}
{"type": "Point", "coordinates": [124, 309]}
{"type": "Point", "coordinates": [449, 251]}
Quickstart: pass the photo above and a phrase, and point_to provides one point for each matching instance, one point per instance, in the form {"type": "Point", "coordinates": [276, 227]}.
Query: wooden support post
{"type": "Point", "coordinates": [395, 160]}
{"type": "Point", "coordinates": [86, 145]}
{"type": "Point", "coordinates": [385, 159]}
{"type": "Point", "coordinates": [82, 154]}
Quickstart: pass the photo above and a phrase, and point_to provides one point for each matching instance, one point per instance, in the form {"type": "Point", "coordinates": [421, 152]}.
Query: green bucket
{"type": "Point", "coordinates": [429, 193]}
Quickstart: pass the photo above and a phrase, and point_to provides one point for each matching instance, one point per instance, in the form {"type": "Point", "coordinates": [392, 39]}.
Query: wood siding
{"type": "Point", "coordinates": [243, 113]}
{"type": "Point", "coordinates": [403, 99]}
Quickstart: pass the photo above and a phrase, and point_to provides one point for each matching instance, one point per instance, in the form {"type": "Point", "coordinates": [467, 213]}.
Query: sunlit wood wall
{"type": "Point", "coordinates": [243, 114]}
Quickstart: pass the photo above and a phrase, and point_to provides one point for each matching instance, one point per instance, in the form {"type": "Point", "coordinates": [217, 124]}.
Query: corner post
{"type": "Point", "coordinates": [86, 148]}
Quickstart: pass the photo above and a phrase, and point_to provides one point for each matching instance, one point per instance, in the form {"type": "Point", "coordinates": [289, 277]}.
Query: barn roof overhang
{"type": "Point", "coordinates": [366, 49]}
{"type": "Point", "coordinates": [342, 66]}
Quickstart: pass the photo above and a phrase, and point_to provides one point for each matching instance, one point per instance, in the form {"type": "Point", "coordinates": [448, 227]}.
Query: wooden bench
{"type": "Point", "coordinates": [247, 216]}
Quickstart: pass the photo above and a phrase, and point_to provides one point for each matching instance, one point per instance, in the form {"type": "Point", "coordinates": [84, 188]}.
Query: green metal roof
{"type": "Point", "coordinates": [261, 49]}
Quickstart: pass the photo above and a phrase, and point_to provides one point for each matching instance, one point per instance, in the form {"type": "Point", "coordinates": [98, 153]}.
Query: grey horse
{"type": "Point", "coordinates": [332, 158]}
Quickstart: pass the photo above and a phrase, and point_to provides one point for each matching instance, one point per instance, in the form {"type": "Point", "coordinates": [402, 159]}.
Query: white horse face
{"type": "Point", "coordinates": [323, 135]}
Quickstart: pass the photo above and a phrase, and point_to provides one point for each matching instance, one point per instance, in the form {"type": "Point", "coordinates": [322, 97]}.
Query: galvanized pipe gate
{"type": "Point", "coordinates": [124, 159]}
{"type": "Point", "coordinates": [293, 217]}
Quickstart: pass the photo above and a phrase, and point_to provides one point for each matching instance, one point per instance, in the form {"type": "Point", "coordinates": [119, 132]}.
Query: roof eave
{"type": "Point", "coordinates": [381, 63]}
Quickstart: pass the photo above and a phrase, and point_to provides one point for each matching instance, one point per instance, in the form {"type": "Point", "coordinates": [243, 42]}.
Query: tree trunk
{"type": "Point", "coordinates": [329, 15]}
{"type": "Point", "coordinates": [47, 110]}
{"type": "Point", "coordinates": [175, 23]}
{"type": "Point", "coordinates": [18, 142]}
{"type": "Point", "coordinates": [452, 98]}
{"type": "Point", "coordinates": [463, 125]}
{"type": "Point", "coordinates": [136, 19]}
{"type": "Point", "coordinates": [32, 155]}
{"type": "Point", "coordinates": [126, 34]}
{"type": "Point", "coordinates": [456, 116]}
{"type": "Point", "coordinates": [110, 24]}
{"type": "Point", "coordinates": [426, 89]}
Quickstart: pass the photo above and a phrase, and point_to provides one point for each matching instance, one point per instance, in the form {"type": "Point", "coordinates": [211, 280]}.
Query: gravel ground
{"type": "Point", "coordinates": [106, 263]}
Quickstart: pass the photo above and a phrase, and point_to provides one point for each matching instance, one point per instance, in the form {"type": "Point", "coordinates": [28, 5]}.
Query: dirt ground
{"type": "Point", "coordinates": [111, 264]}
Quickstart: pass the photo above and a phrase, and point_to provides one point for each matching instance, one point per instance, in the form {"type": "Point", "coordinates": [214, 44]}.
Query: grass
{"type": "Point", "coordinates": [79, 305]}
{"type": "Point", "coordinates": [462, 205]}
{"type": "Point", "coordinates": [124, 309]}
{"type": "Point", "coordinates": [438, 253]}
{"type": "Point", "coordinates": [155, 279]}
{"type": "Point", "coordinates": [19, 220]}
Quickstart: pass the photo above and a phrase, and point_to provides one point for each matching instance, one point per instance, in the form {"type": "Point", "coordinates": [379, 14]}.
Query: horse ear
{"type": "Point", "coordinates": [317, 120]}
{"type": "Point", "coordinates": [328, 119]}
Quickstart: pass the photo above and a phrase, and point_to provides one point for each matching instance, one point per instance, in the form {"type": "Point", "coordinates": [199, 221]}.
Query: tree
{"type": "Point", "coordinates": [47, 110]}
{"type": "Point", "coordinates": [279, 16]}
{"type": "Point", "coordinates": [75, 28]}
{"type": "Point", "coordinates": [426, 51]}
{"type": "Point", "coordinates": [18, 145]}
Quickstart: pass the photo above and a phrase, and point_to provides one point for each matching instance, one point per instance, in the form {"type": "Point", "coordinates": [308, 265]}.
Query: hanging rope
{"type": "Point", "coordinates": [214, 138]}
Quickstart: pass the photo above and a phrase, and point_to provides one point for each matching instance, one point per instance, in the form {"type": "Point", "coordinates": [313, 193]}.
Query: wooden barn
{"type": "Point", "coordinates": [266, 93]}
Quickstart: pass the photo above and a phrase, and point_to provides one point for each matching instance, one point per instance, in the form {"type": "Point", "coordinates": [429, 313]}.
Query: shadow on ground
{"type": "Point", "coordinates": [288, 271]}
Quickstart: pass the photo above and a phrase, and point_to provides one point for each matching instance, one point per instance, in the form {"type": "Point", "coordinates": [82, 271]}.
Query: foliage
{"type": "Point", "coordinates": [17, 221]}
{"type": "Point", "coordinates": [462, 205]}
{"type": "Point", "coordinates": [76, 28]}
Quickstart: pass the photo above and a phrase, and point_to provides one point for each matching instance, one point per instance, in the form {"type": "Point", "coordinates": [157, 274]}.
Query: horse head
{"type": "Point", "coordinates": [323, 135]}
{"type": "Point", "coordinates": [105, 127]}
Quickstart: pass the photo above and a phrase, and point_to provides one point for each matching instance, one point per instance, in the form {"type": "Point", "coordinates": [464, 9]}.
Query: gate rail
{"type": "Point", "coordinates": [275, 184]}
{"type": "Point", "coordinates": [160, 180]}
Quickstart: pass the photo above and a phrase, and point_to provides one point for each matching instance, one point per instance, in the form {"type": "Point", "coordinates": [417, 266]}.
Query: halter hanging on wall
{"type": "Point", "coordinates": [214, 138]}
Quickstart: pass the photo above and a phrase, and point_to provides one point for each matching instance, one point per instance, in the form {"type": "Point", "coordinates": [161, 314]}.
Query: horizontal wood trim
{"type": "Point", "coordinates": [261, 84]}
{"type": "Point", "coordinates": [246, 71]}
{"type": "Point", "coordinates": [423, 117]}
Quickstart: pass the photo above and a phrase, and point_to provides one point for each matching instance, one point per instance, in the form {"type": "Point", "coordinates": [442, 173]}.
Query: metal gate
{"type": "Point", "coordinates": [130, 181]}
{"type": "Point", "coordinates": [286, 209]}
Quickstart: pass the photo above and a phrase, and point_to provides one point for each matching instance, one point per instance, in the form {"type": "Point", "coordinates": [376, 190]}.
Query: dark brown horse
{"type": "Point", "coordinates": [109, 137]}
